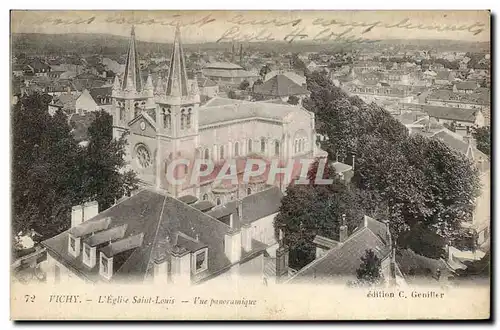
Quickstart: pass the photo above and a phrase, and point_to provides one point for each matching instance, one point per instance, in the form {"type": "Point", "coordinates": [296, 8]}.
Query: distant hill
{"type": "Point", "coordinates": [107, 44]}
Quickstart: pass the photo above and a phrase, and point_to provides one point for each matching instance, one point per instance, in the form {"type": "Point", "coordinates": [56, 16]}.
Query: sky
{"type": "Point", "coordinates": [244, 26]}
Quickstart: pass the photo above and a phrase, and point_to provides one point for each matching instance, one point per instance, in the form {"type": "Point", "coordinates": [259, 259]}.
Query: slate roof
{"type": "Point", "coordinates": [345, 259]}
{"type": "Point", "coordinates": [157, 224]}
{"type": "Point", "coordinates": [238, 110]}
{"type": "Point", "coordinates": [99, 93]}
{"type": "Point", "coordinates": [451, 113]}
{"type": "Point", "coordinates": [298, 79]}
{"type": "Point", "coordinates": [479, 96]}
{"type": "Point", "coordinates": [66, 101]}
{"type": "Point", "coordinates": [466, 85]}
{"type": "Point", "coordinates": [341, 167]}
{"type": "Point", "coordinates": [414, 266]}
{"type": "Point", "coordinates": [280, 86]}
{"type": "Point", "coordinates": [205, 82]}
{"type": "Point", "coordinates": [443, 75]}
{"type": "Point", "coordinates": [255, 206]}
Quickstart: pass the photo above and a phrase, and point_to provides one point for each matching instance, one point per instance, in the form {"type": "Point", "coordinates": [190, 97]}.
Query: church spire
{"type": "Point", "coordinates": [132, 79]}
{"type": "Point", "coordinates": [177, 83]}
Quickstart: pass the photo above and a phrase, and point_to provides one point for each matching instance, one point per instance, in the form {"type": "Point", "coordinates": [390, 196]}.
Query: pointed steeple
{"type": "Point", "coordinates": [177, 83]}
{"type": "Point", "coordinates": [132, 79]}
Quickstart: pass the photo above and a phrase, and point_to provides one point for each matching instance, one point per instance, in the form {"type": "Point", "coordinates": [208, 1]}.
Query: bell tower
{"type": "Point", "coordinates": [130, 95]}
{"type": "Point", "coordinates": [178, 103]}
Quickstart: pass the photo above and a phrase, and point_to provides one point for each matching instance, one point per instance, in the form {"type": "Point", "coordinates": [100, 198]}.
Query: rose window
{"type": "Point", "coordinates": [143, 157]}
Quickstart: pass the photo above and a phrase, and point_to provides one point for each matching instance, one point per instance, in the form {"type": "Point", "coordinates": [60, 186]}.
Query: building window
{"type": "Point", "coordinates": [200, 259]}
{"type": "Point", "coordinates": [221, 152]}
{"type": "Point", "coordinates": [167, 118]}
{"type": "Point", "coordinates": [249, 191]}
{"type": "Point", "coordinates": [205, 197]}
{"type": "Point", "coordinates": [249, 145]}
{"type": "Point", "coordinates": [183, 118]}
{"type": "Point", "coordinates": [188, 118]}
{"type": "Point", "coordinates": [105, 266]}
{"type": "Point", "coordinates": [262, 145]}
{"type": "Point", "coordinates": [276, 148]}
{"type": "Point", "coordinates": [122, 110]}
{"type": "Point", "coordinates": [137, 109]}
{"type": "Point", "coordinates": [72, 243]}
{"type": "Point", "coordinates": [236, 149]}
{"type": "Point", "coordinates": [86, 251]}
{"type": "Point", "coordinates": [207, 154]}
{"type": "Point", "coordinates": [143, 156]}
{"type": "Point", "coordinates": [218, 201]}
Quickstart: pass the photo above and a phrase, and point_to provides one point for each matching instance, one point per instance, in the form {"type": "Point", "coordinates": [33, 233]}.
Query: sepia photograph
{"type": "Point", "coordinates": [250, 165]}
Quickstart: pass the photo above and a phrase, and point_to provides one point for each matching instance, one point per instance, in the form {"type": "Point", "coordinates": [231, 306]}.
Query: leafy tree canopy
{"type": "Point", "coordinates": [51, 172]}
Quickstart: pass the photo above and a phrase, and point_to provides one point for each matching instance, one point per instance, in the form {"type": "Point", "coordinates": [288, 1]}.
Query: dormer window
{"type": "Point", "coordinates": [89, 255]}
{"type": "Point", "coordinates": [200, 261]}
{"type": "Point", "coordinates": [73, 245]}
{"type": "Point", "coordinates": [105, 266]}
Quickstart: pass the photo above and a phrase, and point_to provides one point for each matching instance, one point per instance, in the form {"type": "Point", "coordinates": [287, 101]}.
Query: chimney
{"type": "Point", "coordinates": [246, 237]}
{"type": "Point", "coordinates": [232, 245]}
{"type": "Point", "coordinates": [161, 271]}
{"type": "Point", "coordinates": [181, 266]}
{"type": "Point", "coordinates": [76, 215]}
{"type": "Point", "coordinates": [90, 210]}
{"type": "Point", "coordinates": [343, 233]}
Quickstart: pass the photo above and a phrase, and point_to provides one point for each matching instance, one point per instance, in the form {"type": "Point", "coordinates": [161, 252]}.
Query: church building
{"type": "Point", "coordinates": [164, 121]}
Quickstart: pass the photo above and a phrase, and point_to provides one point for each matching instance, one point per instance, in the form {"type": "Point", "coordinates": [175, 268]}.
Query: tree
{"type": "Point", "coordinates": [314, 209]}
{"type": "Point", "coordinates": [297, 64]}
{"type": "Point", "coordinates": [264, 71]}
{"type": "Point", "coordinates": [294, 100]}
{"type": "Point", "coordinates": [101, 164]}
{"type": "Point", "coordinates": [369, 270]}
{"type": "Point", "coordinates": [483, 139]}
{"type": "Point", "coordinates": [51, 172]}
{"type": "Point", "coordinates": [418, 181]}
{"type": "Point", "coordinates": [244, 85]}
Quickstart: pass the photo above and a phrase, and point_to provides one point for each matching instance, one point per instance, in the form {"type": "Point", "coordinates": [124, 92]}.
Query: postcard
{"type": "Point", "coordinates": [250, 165]}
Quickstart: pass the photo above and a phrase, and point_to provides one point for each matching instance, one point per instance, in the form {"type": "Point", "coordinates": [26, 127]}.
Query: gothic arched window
{"type": "Point", "coordinates": [249, 191]}
{"type": "Point", "coordinates": [137, 109]}
{"type": "Point", "coordinates": [205, 197]}
{"type": "Point", "coordinates": [167, 118]}
{"type": "Point", "coordinates": [143, 156]}
{"type": "Point", "coordinates": [262, 145]}
{"type": "Point", "coordinates": [183, 119]}
{"type": "Point", "coordinates": [276, 147]}
{"type": "Point", "coordinates": [122, 110]}
{"type": "Point", "coordinates": [188, 118]}
{"type": "Point", "coordinates": [218, 201]}
{"type": "Point", "coordinates": [221, 152]}
{"type": "Point", "coordinates": [236, 149]}
{"type": "Point", "coordinates": [249, 145]}
{"type": "Point", "coordinates": [207, 154]}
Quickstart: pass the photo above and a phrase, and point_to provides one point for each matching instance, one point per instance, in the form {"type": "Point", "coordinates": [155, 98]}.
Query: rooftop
{"type": "Point", "coordinates": [280, 86]}
{"type": "Point", "coordinates": [345, 258]}
{"type": "Point", "coordinates": [153, 225]}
